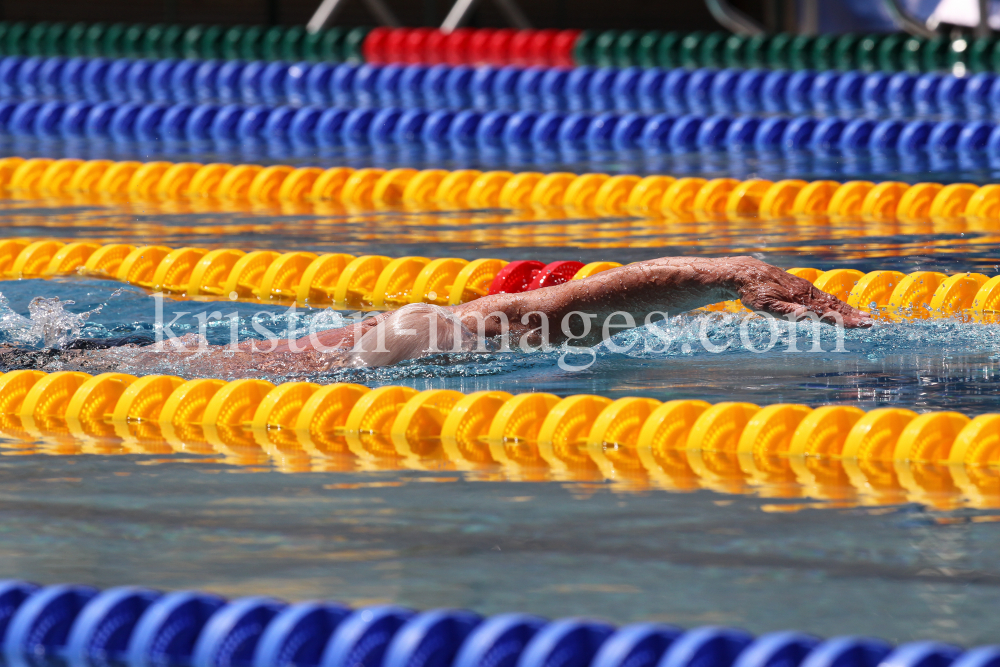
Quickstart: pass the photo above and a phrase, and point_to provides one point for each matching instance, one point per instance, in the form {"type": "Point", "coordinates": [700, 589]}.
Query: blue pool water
{"type": "Point", "coordinates": [920, 562]}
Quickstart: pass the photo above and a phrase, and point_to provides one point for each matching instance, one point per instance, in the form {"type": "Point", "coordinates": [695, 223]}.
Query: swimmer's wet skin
{"type": "Point", "coordinates": [660, 287]}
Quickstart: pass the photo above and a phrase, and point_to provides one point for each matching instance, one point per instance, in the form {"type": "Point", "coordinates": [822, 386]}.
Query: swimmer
{"type": "Point", "coordinates": [548, 316]}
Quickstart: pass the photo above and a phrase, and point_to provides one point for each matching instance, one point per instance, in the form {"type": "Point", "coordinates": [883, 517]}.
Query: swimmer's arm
{"type": "Point", "coordinates": [670, 285]}
{"type": "Point", "coordinates": [594, 294]}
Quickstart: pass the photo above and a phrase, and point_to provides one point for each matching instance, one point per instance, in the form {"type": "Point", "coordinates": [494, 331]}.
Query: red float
{"type": "Point", "coordinates": [479, 47]}
{"type": "Point", "coordinates": [540, 47]}
{"type": "Point", "coordinates": [395, 45]}
{"type": "Point", "coordinates": [515, 277]}
{"type": "Point", "coordinates": [415, 49]}
{"type": "Point", "coordinates": [520, 48]}
{"type": "Point", "coordinates": [434, 48]}
{"type": "Point", "coordinates": [561, 54]}
{"type": "Point", "coordinates": [373, 48]}
{"type": "Point", "coordinates": [456, 47]}
{"type": "Point", "coordinates": [555, 273]}
{"type": "Point", "coordinates": [499, 46]}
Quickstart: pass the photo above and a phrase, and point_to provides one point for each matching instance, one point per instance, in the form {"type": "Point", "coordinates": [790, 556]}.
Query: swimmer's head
{"type": "Point", "coordinates": [414, 331]}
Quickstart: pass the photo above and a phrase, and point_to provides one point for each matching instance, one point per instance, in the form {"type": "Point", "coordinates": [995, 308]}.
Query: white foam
{"type": "Point", "coordinates": [48, 325]}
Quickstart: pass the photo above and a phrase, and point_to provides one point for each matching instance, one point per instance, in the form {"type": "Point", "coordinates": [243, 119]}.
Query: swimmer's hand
{"type": "Point", "coordinates": [765, 288]}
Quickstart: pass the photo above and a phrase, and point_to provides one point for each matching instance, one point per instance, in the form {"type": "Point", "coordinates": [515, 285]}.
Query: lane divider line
{"type": "Point", "coordinates": [141, 626]}
{"type": "Point", "coordinates": [679, 437]}
{"type": "Point", "coordinates": [373, 189]}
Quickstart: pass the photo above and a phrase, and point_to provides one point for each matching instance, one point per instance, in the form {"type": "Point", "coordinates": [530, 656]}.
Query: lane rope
{"type": "Point", "coordinates": [373, 189]}
{"type": "Point", "coordinates": [141, 626]}
{"type": "Point", "coordinates": [675, 439]}
{"type": "Point", "coordinates": [609, 48]}
{"type": "Point", "coordinates": [704, 92]}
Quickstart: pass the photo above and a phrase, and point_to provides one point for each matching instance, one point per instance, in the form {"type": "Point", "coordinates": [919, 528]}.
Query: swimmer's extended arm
{"type": "Point", "coordinates": [670, 285]}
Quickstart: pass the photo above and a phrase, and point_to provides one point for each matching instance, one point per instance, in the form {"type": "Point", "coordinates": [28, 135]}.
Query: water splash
{"type": "Point", "coordinates": [48, 325]}
{"type": "Point", "coordinates": [725, 333]}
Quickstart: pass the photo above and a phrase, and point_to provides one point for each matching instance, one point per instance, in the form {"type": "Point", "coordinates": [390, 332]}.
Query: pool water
{"type": "Point", "coordinates": [431, 540]}
{"type": "Point", "coordinates": [903, 552]}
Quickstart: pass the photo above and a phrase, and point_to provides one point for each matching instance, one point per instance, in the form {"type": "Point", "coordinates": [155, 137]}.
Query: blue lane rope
{"type": "Point", "coordinates": [145, 628]}
{"type": "Point", "coordinates": [649, 91]}
{"type": "Point", "coordinates": [525, 137]}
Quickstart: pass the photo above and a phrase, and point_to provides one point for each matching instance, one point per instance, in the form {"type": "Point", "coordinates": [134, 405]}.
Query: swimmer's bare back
{"type": "Point", "coordinates": [670, 285]}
